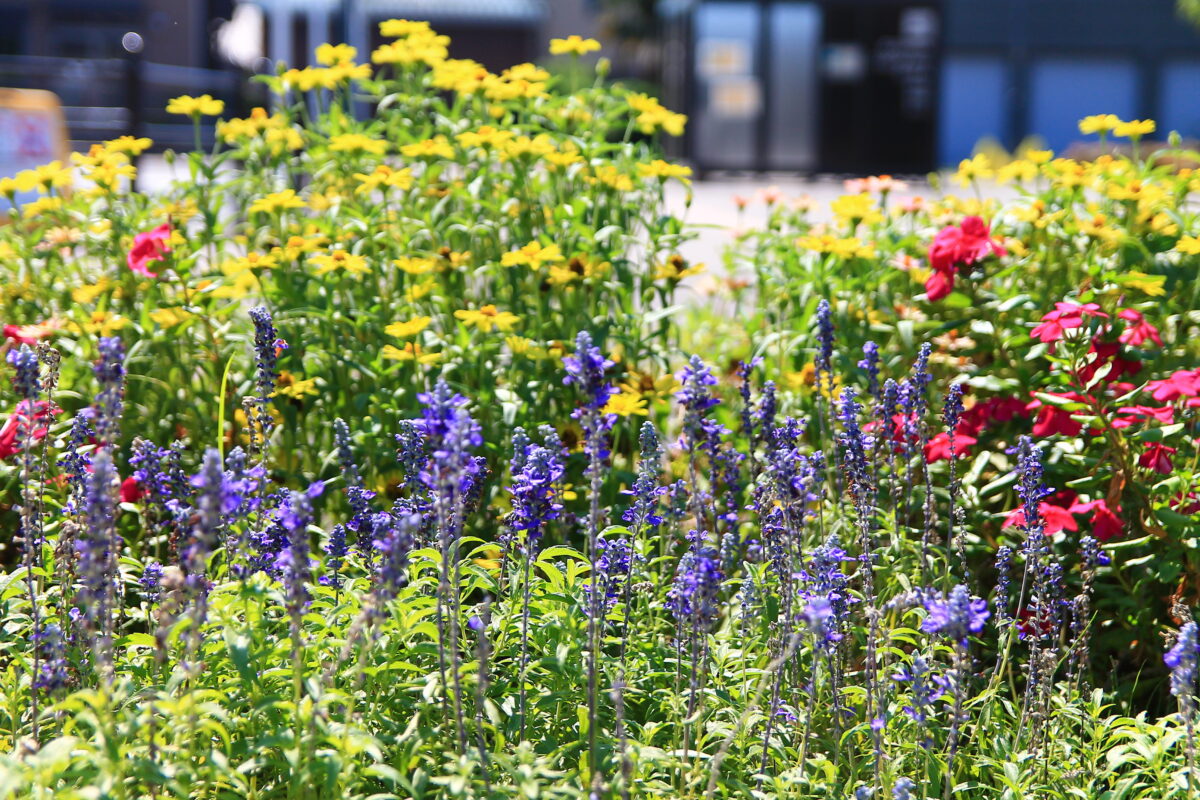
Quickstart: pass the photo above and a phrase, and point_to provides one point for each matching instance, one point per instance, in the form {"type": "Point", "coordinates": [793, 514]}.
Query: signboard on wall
{"type": "Point", "coordinates": [32, 132]}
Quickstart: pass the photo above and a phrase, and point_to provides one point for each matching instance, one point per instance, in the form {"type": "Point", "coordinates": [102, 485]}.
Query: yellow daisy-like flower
{"type": "Point", "coordinates": [486, 318]}
{"type": "Point", "coordinates": [418, 290]}
{"type": "Point", "coordinates": [128, 144]}
{"type": "Point", "coordinates": [664, 169]}
{"type": "Point", "coordinates": [460, 75]}
{"type": "Point", "coordinates": [676, 268]}
{"type": "Point", "coordinates": [384, 176]}
{"type": "Point", "coordinates": [437, 147]}
{"type": "Point", "coordinates": [410, 352]}
{"type": "Point", "coordinates": [1021, 171]}
{"type": "Point", "coordinates": [290, 386]}
{"type": "Point", "coordinates": [485, 137]}
{"type": "Point", "coordinates": [573, 45]}
{"type": "Point", "coordinates": [89, 292]}
{"type": "Point", "coordinates": [396, 28]}
{"type": "Point", "coordinates": [626, 403]}
{"type": "Point", "coordinates": [330, 54]}
{"type": "Point", "coordinates": [856, 207]}
{"type": "Point", "coordinates": [1189, 245]}
{"type": "Point", "coordinates": [533, 255]}
{"type": "Point", "coordinates": [170, 317]}
{"type": "Point", "coordinates": [202, 106]}
{"type": "Point", "coordinates": [978, 167]}
{"type": "Point", "coordinates": [403, 330]}
{"type": "Point", "coordinates": [1099, 123]}
{"type": "Point", "coordinates": [1135, 129]}
{"type": "Point", "coordinates": [357, 143]}
{"type": "Point", "coordinates": [101, 323]}
{"type": "Point", "coordinates": [652, 116]}
{"type": "Point", "coordinates": [276, 201]}
{"type": "Point", "coordinates": [411, 265]}
{"type": "Point", "coordinates": [340, 260]}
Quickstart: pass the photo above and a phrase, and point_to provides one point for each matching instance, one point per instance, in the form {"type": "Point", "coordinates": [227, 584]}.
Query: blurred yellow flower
{"type": "Point", "coordinates": [357, 142]}
{"type": "Point", "coordinates": [574, 45]}
{"type": "Point", "coordinates": [460, 75]}
{"type": "Point", "coordinates": [1189, 245]}
{"type": "Point", "coordinates": [290, 386]}
{"type": "Point", "coordinates": [676, 268]}
{"type": "Point", "coordinates": [1099, 123]}
{"type": "Point", "coordinates": [340, 260]}
{"type": "Point", "coordinates": [204, 105]}
{"type": "Point", "coordinates": [276, 201]}
{"type": "Point", "coordinates": [533, 255]}
{"type": "Point", "coordinates": [663, 170]}
{"type": "Point", "coordinates": [486, 318]}
{"type": "Point", "coordinates": [1021, 171]}
{"type": "Point", "coordinates": [99, 323]}
{"type": "Point", "coordinates": [410, 352]}
{"type": "Point", "coordinates": [395, 28]}
{"type": "Point", "coordinates": [437, 147]}
{"type": "Point", "coordinates": [384, 176]}
{"type": "Point", "coordinates": [128, 144]}
{"type": "Point", "coordinates": [411, 265]}
{"type": "Point", "coordinates": [978, 167]}
{"type": "Point", "coordinates": [170, 317]}
{"type": "Point", "coordinates": [652, 116]}
{"type": "Point", "coordinates": [486, 136]}
{"type": "Point", "coordinates": [403, 330]}
{"type": "Point", "coordinates": [1134, 129]}
{"type": "Point", "coordinates": [418, 290]}
{"type": "Point", "coordinates": [330, 54]}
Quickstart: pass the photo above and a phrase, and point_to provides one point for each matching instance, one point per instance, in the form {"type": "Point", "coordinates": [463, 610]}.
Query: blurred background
{"type": "Point", "coordinates": [778, 86]}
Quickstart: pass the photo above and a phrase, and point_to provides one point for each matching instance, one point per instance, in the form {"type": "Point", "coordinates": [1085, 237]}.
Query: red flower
{"type": "Point", "coordinates": [1128, 416]}
{"type": "Point", "coordinates": [1139, 331]}
{"type": "Point", "coordinates": [1064, 317]}
{"type": "Point", "coordinates": [953, 247]}
{"type": "Point", "coordinates": [20, 426]}
{"type": "Point", "coordinates": [30, 334]}
{"type": "Point", "coordinates": [1158, 458]}
{"type": "Point", "coordinates": [131, 490]}
{"type": "Point", "coordinates": [1105, 523]}
{"type": "Point", "coordinates": [149, 246]}
{"type": "Point", "coordinates": [1052, 419]}
{"type": "Point", "coordinates": [1106, 353]}
{"type": "Point", "coordinates": [938, 448]}
{"type": "Point", "coordinates": [1184, 383]}
{"type": "Point", "coordinates": [1055, 518]}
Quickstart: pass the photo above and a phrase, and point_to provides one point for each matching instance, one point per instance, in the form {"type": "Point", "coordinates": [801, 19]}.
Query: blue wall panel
{"type": "Point", "coordinates": [1180, 99]}
{"type": "Point", "coordinates": [1064, 91]}
{"type": "Point", "coordinates": [972, 105]}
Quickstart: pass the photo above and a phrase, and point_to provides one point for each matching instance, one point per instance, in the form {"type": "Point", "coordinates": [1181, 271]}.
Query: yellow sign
{"type": "Point", "coordinates": [32, 132]}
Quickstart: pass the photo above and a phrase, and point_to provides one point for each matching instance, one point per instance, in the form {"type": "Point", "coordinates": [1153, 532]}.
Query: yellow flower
{"type": "Point", "coordinates": [676, 268]}
{"type": "Point", "coordinates": [410, 352]}
{"type": "Point", "coordinates": [170, 317]}
{"type": "Point", "coordinates": [1152, 285]}
{"type": "Point", "coordinates": [415, 266]}
{"type": "Point", "coordinates": [1189, 245]}
{"type": "Point", "coordinates": [856, 207]}
{"type": "Point", "coordinates": [340, 259]}
{"type": "Point", "coordinates": [1134, 129]}
{"type": "Point", "coordinates": [384, 175]}
{"type": "Point", "coordinates": [487, 317]}
{"type": "Point", "coordinates": [128, 144]}
{"type": "Point", "coordinates": [1039, 156]}
{"type": "Point", "coordinates": [290, 386]}
{"type": "Point", "coordinates": [395, 28]}
{"type": "Point", "coordinates": [539, 146]}
{"type": "Point", "coordinates": [437, 147]}
{"type": "Point", "coordinates": [978, 167]}
{"type": "Point", "coordinates": [460, 75]}
{"type": "Point", "coordinates": [101, 323]}
{"type": "Point", "coordinates": [578, 268]}
{"type": "Point", "coordinates": [425, 48]}
{"type": "Point", "coordinates": [357, 142]}
{"type": "Point", "coordinates": [89, 292]}
{"type": "Point", "coordinates": [574, 45]}
{"type": "Point", "coordinates": [42, 204]}
{"type": "Point", "coordinates": [663, 169]}
{"type": "Point", "coordinates": [276, 201]}
{"type": "Point", "coordinates": [533, 255]}
{"type": "Point", "coordinates": [1021, 171]}
{"type": "Point", "coordinates": [251, 261]}
{"type": "Point", "coordinates": [1099, 123]}
{"type": "Point", "coordinates": [626, 403]}
{"type": "Point", "coordinates": [330, 54]}
{"type": "Point", "coordinates": [403, 330]}
{"type": "Point", "coordinates": [485, 137]}
{"type": "Point", "coordinates": [612, 177]}
{"type": "Point", "coordinates": [204, 105]}
{"type": "Point", "coordinates": [242, 285]}
{"type": "Point", "coordinates": [523, 81]}
{"type": "Point", "coordinates": [652, 116]}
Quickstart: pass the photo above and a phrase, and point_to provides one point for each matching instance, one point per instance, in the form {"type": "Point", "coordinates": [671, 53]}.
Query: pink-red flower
{"type": "Point", "coordinates": [1157, 457]}
{"type": "Point", "coordinates": [149, 246]}
{"type": "Point", "coordinates": [1105, 523]}
{"type": "Point", "coordinates": [1138, 331]}
{"type": "Point", "coordinates": [1052, 419]}
{"type": "Point", "coordinates": [131, 490]}
{"type": "Point", "coordinates": [938, 448]}
{"type": "Point", "coordinates": [1184, 383]}
{"type": "Point", "coordinates": [1128, 416]}
{"type": "Point", "coordinates": [22, 426]}
{"type": "Point", "coordinates": [954, 247]}
{"type": "Point", "coordinates": [1108, 353]}
{"type": "Point", "coordinates": [1056, 518]}
{"type": "Point", "coordinates": [1064, 317]}
{"type": "Point", "coordinates": [30, 334]}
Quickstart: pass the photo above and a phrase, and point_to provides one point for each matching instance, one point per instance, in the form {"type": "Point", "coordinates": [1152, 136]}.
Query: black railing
{"type": "Point", "coordinates": [106, 98]}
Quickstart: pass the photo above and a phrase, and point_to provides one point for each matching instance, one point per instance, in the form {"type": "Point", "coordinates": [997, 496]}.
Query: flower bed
{"type": "Point", "coordinates": [366, 462]}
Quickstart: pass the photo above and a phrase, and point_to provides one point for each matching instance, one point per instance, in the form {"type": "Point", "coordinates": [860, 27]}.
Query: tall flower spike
{"type": "Point", "coordinates": [956, 615]}
{"type": "Point", "coordinates": [586, 370]}
{"type": "Point", "coordinates": [345, 452]}
{"type": "Point", "coordinates": [97, 548]}
{"type": "Point", "coordinates": [870, 365]}
{"type": "Point", "coordinates": [110, 374]}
